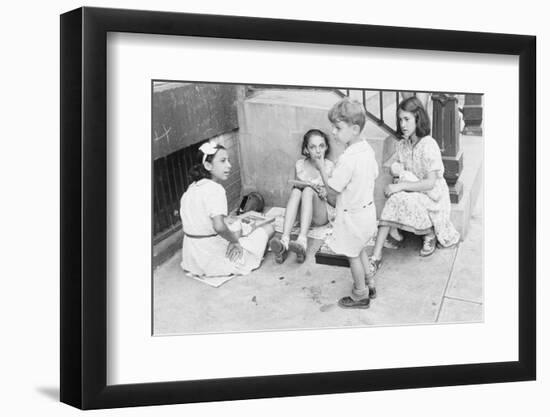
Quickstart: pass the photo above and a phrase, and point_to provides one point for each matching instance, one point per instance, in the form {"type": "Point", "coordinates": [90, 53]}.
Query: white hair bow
{"type": "Point", "coordinates": [208, 148]}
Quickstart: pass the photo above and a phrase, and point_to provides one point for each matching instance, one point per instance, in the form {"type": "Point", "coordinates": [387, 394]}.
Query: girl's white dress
{"type": "Point", "coordinates": [205, 256]}
{"type": "Point", "coordinates": [353, 178]}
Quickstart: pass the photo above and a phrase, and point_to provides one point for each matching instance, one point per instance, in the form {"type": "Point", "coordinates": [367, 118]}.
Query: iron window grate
{"type": "Point", "coordinates": [170, 180]}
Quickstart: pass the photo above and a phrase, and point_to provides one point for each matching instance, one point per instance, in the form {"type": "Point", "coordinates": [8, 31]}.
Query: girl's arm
{"type": "Point", "coordinates": [221, 228]}
{"type": "Point", "coordinates": [234, 249]}
{"type": "Point", "coordinates": [297, 182]}
{"type": "Point", "coordinates": [423, 185]}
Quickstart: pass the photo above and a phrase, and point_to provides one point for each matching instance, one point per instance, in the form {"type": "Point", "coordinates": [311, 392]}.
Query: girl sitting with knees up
{"type": "Point", "coordinates": [210, 248]}
{"type": "Point", "coordinates": [308, 198]}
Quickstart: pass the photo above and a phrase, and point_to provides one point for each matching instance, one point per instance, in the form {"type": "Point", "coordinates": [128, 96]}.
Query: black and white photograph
{"type": "Point", "coordinates": [280, 207]}
{"type": "Point", "coordinates": [244, 208]}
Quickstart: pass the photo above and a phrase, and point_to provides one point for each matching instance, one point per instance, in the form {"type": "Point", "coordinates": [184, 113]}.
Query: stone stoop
{"type": "Point", "coordinates": [271, 126]}
{"type": "Point", "coordinates": [272, 123]}
{"type": "Point", "coordinates": [472, 181]}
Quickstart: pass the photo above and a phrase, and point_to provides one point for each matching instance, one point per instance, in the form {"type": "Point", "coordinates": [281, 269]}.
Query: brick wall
{"type": "Point", "coordinates": [188, 113]}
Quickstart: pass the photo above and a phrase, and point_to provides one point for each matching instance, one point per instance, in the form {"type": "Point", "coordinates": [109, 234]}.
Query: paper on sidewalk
{"type": "Point", "coordinates": [213, 281]}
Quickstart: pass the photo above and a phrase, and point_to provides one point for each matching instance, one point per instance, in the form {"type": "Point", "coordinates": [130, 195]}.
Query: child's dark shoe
{"type": "Point", "coordinates": [278, 249]}
{"type": "Point", "coordinates": [348, 302]}
{"type": "Point", "coordinates": [372, 293]}
{"type": "Point", "coordinates": [299, 249]}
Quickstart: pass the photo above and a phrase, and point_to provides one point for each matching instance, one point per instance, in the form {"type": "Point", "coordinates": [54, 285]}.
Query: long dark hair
{"type": "Point", "coordinates": [414, 105]}
{"type": "Point", "coordinates": [309, 134]}
{"type": "Point", "coordinates": [198, 171]}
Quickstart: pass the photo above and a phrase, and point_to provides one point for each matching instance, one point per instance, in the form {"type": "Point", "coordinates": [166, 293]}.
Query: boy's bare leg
{"type": "Point", "coordinates": [360, 289]}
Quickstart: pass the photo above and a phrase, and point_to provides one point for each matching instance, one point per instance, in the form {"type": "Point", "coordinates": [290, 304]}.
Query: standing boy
{"type": "Point", "coordinates": [351, 187]}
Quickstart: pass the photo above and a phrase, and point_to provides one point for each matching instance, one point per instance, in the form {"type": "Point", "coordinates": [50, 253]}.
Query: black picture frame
{"type": "Point", "coordinates": [83, 311]}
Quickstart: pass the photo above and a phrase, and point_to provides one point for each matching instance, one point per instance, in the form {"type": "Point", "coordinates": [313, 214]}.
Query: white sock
{"type": "Point", "coordinates": [370, 282]}
{"type": "Point", "coordinates": [284, 241]}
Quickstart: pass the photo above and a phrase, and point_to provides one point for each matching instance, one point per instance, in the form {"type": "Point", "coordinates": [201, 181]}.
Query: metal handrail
{"type": "Point", "coordinates": [381, 118]}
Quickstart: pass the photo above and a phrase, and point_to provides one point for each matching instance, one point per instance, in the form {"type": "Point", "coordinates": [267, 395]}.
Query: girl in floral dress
{"type": "Point", "coordinates": [422, 207]}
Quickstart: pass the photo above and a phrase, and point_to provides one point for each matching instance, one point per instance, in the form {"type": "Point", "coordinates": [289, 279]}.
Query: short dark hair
{"type": "Point", "coordinates": [308, 135]}
{"type": "Point", "coordinates": [414, 105]}
{"type": "Point", "coordinates": [198, 171]}
{"type": "Point", "coordinates": [349, 111]}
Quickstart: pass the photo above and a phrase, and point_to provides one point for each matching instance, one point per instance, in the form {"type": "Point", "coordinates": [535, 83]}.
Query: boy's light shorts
{"type": "Point", "coordinates": [352, 230]}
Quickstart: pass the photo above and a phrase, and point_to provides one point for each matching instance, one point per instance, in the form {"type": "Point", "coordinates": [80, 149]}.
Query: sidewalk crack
{"type": "Point", "coordinates": [447, 285]}
{"type": "Point", "coordinates": [462, 299]}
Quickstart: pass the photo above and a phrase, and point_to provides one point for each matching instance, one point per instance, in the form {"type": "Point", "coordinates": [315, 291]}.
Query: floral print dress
{"type": "Point", "coordinates": [417, 212]}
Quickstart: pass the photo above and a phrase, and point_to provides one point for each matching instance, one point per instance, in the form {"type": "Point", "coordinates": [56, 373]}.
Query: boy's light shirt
{"type": "Point", "coordinates": [354, 175]}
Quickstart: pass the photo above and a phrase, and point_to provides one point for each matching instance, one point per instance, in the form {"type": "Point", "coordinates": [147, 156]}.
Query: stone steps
{"type": "Point", "coordinates": [272, 122]}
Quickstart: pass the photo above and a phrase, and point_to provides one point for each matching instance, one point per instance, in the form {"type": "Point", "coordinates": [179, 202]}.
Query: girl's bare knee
{"type": "Point", "coordinates": [307, 193]}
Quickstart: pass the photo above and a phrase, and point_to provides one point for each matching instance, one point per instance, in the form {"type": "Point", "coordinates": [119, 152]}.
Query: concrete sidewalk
{"type": "Point", "coordinates": [445, 287]}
